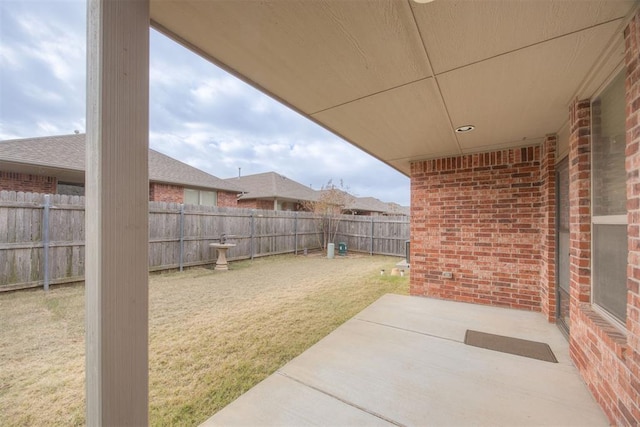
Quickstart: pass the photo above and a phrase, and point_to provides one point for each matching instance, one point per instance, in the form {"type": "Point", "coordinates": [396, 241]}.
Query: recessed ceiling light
{"type": "Point", "coordinates": [422, 1]}
{"type": "Point", "coordinates": [465, 128]}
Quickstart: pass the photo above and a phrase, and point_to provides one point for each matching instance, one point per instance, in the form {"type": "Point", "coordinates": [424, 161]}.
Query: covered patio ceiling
{"type": "Point", "coordinates": [396, 77]}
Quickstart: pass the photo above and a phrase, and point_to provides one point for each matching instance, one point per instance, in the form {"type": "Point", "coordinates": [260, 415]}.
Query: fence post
{"type": "Point", "coordinates": [181, 236]}
{"type": "Point", "coordinates": [251, 234]}
{"type": "Point", "coordinates": [295, 233]}
{"type": "Point", "coordinates": [371, 252]}
{"type": "Point", "coordinates": [45, 239]}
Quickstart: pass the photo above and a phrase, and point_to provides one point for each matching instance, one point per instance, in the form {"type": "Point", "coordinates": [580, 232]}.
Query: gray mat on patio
{"type": "Point", "coordinates": [517, 346]}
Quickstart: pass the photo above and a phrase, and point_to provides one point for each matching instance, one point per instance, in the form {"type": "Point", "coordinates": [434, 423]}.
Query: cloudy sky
{"type": "Point", "coordinates": [199, 114]}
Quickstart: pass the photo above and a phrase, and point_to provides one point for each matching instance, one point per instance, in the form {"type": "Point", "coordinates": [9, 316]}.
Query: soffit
{"type": "Point", "coordinates": [62, 174]}
{"type": "Point", "coordinates": [365, 70]}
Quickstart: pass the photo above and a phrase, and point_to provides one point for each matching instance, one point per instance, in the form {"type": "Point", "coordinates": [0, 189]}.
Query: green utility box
{"type": "Point", "coordinates": [342, 248]}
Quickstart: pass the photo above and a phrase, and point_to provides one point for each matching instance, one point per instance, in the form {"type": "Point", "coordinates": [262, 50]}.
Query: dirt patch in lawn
{"type": "Point", "coordinates": [213, 335]}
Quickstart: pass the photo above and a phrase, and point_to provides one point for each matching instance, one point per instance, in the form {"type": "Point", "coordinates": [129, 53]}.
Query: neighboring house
{"type": "Point", "coordinates": [272, 191]}
{"type": "Point", "coordinates": [55, 165]}
{"type": "Point", "coordinates": [370, 206]}
{"type": "Point", "coordinates": [396, 209]}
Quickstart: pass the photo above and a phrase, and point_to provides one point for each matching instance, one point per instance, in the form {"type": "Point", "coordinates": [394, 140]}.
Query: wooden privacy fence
{"type": "Point", "coordinates": [179, 235]}
{"type": "Point", "coordinates": [380, 235]}
{"type": "Point", "coordinates": [42, 236]}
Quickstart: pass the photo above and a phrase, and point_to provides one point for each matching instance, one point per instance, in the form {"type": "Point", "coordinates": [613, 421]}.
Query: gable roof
{"type": "Point", "coordinates": [272, 185]}
{"type": "Point", "coordinates": [64, 156]}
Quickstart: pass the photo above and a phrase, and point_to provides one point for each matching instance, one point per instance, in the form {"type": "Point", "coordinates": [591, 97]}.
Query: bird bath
{"type": "Point", "coordinates": [222, 248]}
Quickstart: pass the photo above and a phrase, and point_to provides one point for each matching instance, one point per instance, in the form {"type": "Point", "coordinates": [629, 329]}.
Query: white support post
{"type": "Point", "coordinates": [117, 197]}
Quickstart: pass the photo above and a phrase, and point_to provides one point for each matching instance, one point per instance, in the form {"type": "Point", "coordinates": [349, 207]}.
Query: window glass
{"type": "Point", "coordinates": [191, 197]}
{"type": "Point", "coordinates": [200, 197]}
{"type": "Point", "coordinates": [608, 130]}
{"type": "Point", "coordinates": [208, 198]}
{"type": "Point", "coordinates": [70, 189]}
{"type": "Point", "coordinates": [609, 221]}
{"type": "Point", "coordinates": [610, 268]}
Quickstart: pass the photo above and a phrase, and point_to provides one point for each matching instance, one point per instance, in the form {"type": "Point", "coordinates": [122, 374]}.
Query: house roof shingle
{"type": "Point", "coordinates": [273, 185]}
{"type": "Point", "coordinates": [370, 204]}
{"type": "Point", "coordinates": [67, 152]}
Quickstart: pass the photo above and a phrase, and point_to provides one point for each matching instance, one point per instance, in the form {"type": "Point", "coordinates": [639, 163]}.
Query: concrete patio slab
{"type": "Point", "coordinates": [402, 361]}
{"type": "Point", "coordinates": [285, 401]}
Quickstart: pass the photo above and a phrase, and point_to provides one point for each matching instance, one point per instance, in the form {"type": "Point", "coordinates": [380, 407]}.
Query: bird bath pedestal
{"type": "Point", "coordinates": [222, 248]}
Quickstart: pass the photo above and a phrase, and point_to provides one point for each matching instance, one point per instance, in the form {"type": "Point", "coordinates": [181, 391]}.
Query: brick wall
{"type": "Point", "coordinates": [227, 200]}
{"type": "Point", "coordinates": [580, 204]}
{"type": "Point", "coordinates": [548, 228]}
{"type": "Point", "coordinates": [166, 193]}
{"type": "Point", "coordinates": [13, 181]}
{"type": "Point", "coordinates": [256, 204]}
{"type": "Point", "coordinates": [608, 358]}
{"type": "Point", "coordinates": [479, 217]}
{"type": "Point", "coordinates": [632, 46]}
{"type": "Point", "coordinates": [175, 194]}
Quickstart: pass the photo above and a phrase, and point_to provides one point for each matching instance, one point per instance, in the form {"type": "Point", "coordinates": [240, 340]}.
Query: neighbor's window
{"type": "Point", "coordinates": [609, 217]}
{"type": "Point", "coordinates": [200, 197]}
{"type": "Point", "coordinates": [286, 206]}
{"type": "Point", "coordinates": [70, 188]}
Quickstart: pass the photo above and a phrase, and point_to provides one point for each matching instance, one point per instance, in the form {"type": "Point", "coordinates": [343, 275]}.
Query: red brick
{"type": "Point", "coordinates": [496, 232]}
{"type": "Point", "coordinates": [603, 354]}
{"type": "Point", "coordinates": [14, 181]}
{"type": "Point", "coordinates": [227, 199]}
{"type": "Point", "coordinates": [166, 193]}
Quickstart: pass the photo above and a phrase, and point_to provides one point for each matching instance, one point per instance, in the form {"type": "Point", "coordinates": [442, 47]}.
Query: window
{"type": "Point", "coordinates": [609, 216]}
{"type": "Point", "coordinates": [200, 197]}
{"type": "Point", "coordinates": [70, 188]}
{"type": "Point", "coordinates": [285, 206]}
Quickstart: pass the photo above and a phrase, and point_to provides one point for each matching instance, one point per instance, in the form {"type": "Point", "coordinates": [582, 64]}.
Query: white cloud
{"type": "Point", "coordinates": [161, 76]}
{"type": "Point", "coordinates": [233, 145]}
{"type": "Point", "coordinates": [43, 95]}
{"type": "Point", "coordinates": [261, 105]}
{"type": "Point", "coordinates": [271, 149]}
{"type": "Point", "coordinates": [61, 49]}
{"type": "Point", "coordinates": [218, 89]}
{"type": "Point", "coordinates": [47, 128]}
{"type": "Point", "coordinates": [9, 58]}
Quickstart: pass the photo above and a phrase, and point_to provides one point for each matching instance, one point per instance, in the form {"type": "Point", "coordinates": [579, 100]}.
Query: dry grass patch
{"type": "Point", "coordinates": [213, 335]}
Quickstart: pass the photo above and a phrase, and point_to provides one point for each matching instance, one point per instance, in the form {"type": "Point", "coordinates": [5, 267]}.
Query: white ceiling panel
{"type": "Point", "coordinates": [403, 123]}
{"type": "Point", "coordinates": [463, 32]}
{"type": "Point", "coordinates": [523, 95]}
